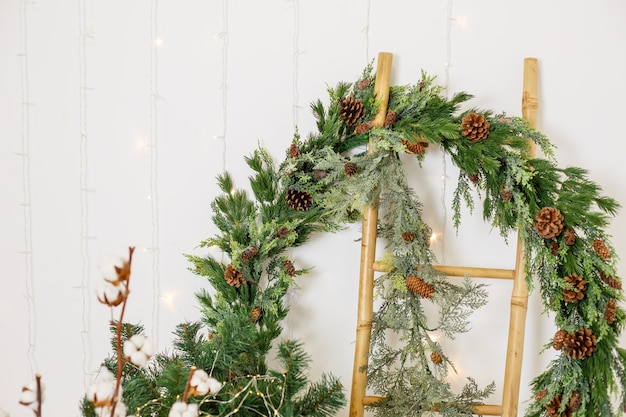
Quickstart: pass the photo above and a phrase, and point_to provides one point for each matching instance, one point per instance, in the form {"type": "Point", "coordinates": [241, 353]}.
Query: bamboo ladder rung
{"type": "Point", "coordinates": [461, 271]}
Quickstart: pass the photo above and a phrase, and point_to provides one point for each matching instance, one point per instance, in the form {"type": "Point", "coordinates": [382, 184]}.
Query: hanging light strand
{"type": "Point", "coordinates": [296, 54]}
{"type": "Point", "coordinates": [224, 36]}
{"type": "Point", "coordinates": [84, 35]}
{"type": "Point", "coordinates": [154, 168]}
{"type": "Point", "coordinates": [26, 186]}
{"type": "Point", "coordinates": [366, 30]}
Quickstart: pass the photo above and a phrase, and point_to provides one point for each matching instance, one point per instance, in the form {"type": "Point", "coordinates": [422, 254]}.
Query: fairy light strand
{"type": "Point", "coordinates": [154, 169]}
{"type": "Point", "coordinates": [296, 53]}
{"type": "Point", "coordinates": [224, 36]}
{"type": "Point", "coordinates": [84, 34]}
{"type": "Point", "coordinates": [26, 187]}
{"type": "Point", "coordinates": [366, 30]}
{"type": "Point", "coordinates": [444, 162]}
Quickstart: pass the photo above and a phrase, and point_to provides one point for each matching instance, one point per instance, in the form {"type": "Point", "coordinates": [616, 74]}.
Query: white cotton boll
{"type": "Point", "coordinates": [138, 349]}
{"type": "Point", "coordinates": [28, 396]}
{"type": "Point", "coordinates": [120, 410]}
{"type": "Point", "coordinates": [108, 266]}
{"type": "Point", "coordinates": [100, 392]}
{"type": "Point", "coordinates": [214, 386]}
{"type": "Point", "coordinates": [111, 294]}
{"type": "Point", "coordinates": [181, 409]}
{"type": "Point", "coordinates": [203, 384]}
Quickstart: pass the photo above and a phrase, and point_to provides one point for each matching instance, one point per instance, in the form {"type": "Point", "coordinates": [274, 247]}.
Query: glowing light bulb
{"type": "Point", "coordinates": [158, 42]}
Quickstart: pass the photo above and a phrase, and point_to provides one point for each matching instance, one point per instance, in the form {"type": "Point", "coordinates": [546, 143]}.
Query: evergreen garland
{"type": "Point", "coordinates": [326, 181]}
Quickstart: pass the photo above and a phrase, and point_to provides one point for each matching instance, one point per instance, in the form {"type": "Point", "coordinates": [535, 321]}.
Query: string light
{"type": "Point", "coordinates": [296, 53]}
{"type": "Point", "coordinates": [366, 30]}
{"type": "Point", "coordinates": [26, 187]}
{"type": "Point", "coordinates": [84, 33]}
{"type": "Point", "coordinates": [224, 35]}
{"type": "Point", "coordinates": [154, 204]}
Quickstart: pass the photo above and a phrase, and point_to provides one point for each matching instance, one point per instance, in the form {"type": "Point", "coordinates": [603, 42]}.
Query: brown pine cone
{"type": "Point", "coordinates": [363, 84]}
{"type": "Point", "coordinates": [613, 282]}
{"type": "Point", "coordinates": [416, 148]}
{"type": "Point", "coordinates": [559, 339]}
{"type": "Point", "coordinates": [549, 222]}
{"type": "Point", "coordinates": [233, 277]}
{"type": "Point", "coordinates": [350, 168]}
{"type": "Point", "coordinates": [574, 401]}
{"type": "Point", "coordinates": [419, 287]}
{"type": "Point", "coordinates": [580, 345]}
{"type": "Point", "coordinates": [601, 248]}
{"type": "Point", "coordinates": [541, 394]}
{"type": "Point", "coordinates": [506, 193]}
{"type": "Point", "coordinates": [474, 178]}
{"type": "Point", "coordinates": [475, 127]}
{"type": "Point", "coordinates": [364, 127]}
{"type": "Point", "coordinates": [289, 268]}
{"type": "Point", "coordinates": [577, 290]}
{"type": "Point", "coordinates": [298, 200]}
{"type": "Point", "coordinates": [554, 247]}
{"type": "Point", "coordinates": [294, 150]}
{"type": "Point", "coordinates": [436, 358]}
{"type": "Point", "coordinates": [552, 409]}
{"type": "Point", "coordinates": [249, 253]}
{"type": "Point", "coordinates": [610, 311]}
{"type": "Point", "coordinates": [390, 118]}
{"type": "Point", "coordinates": [255, 314]}
{"type": "Point", "coordinates": [351, 110]}
{"type": "Point", "coordinates": [318, 174]}
{"type": "Point", "coordinates": [408, 237]}
{"type": "Point", "coordinates": [569, 236]}
{"type": "Point", "coordinates": [281, 232]}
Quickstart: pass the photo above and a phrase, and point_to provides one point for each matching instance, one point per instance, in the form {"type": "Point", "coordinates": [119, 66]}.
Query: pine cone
{"type": "Point", "coordinates": [552, 409]}
{"type": "Point", "coordinates": [249, 253]}
{"type": "Point", "coordinates": [506, 193]}
{"type": "Point", "coordinates": [610, 311]}
{"type": "Point", "coordinates": [350, 168]}
{"type": "Point", "coordinates": [408, 237]}
{"type": "Point", "coordinates": [577, 292]}
{"type": "Point", "coordinates": [281, 232]}
{"type": "Point", "coordinates": [351, 110]}
{"type": "Point", "coordinates": [298, 200]}
{"type": "Point", "coordinates": [255, 314]}
{"type": "Point", "coordinates": [475, 127]}
{"type": "Point", "coordinates": [612, 282]}
{"type": "Point", "coordinates": [416, 148]}
{"type": "Point", "coordinates": [569, 236]}
{"type": "Point", "coordinates": [549, 222]}
{"type": "Point", "coordinates": [541, 394]}
{"type": "Point", "coordinates": [318, 174]}
{"type": "Point", "coordinates": [294, 150]}
{"type": "Point", "coordinates": [474, 178]}
{"type": "Point", "coordinates": [419, 287]}
{"type": "Point", "coordinates": [364, 127]}
{"type": "Point", "coordinates": [601, 248]}
{"type": "Point", "coordinates": [436, 358]}
{"type": "Point", "coordinates": [289, 268]}
{"type": "Point", "coordinates": [574, 401]}
{"type": "Point", "coordinates": [233, 277]}
{"type": "Point", "coordinates": [559, 339]}
{"type": "Point", "coordinates": [554, 247]}
{"type": "Point", "coordinates": [363, 84]}
{"type": "Point", "coordinates": [390, 118]}
{"type": "Point", "coordinates": [580, 345]}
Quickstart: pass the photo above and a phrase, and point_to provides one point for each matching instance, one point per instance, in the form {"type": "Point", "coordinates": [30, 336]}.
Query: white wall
{"type": "Point", "coordinates": [110, 139]}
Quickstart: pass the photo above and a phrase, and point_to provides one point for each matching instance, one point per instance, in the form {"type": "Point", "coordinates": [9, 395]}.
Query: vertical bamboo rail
{"type": "Point", "coordinates": [519, 298]}
{"type": "Point", "coordinates": [368, 256]}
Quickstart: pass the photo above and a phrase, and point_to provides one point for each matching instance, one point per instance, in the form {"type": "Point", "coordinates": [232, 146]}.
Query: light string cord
{"type": "Point", "coordinates": [296, 54]}
{"type": "Point", "coordinates": [224, 36]}
{"type": "Point", "coordinates": [444, 161]}
{"type": "Point", "coordinates": [84, 34]}
{"type": "Point", "coordinates": [154, 168]}
{"type": "Point", "coordinates": [26, 187]}
{"type": "Point", "coordinates": [366, 30]}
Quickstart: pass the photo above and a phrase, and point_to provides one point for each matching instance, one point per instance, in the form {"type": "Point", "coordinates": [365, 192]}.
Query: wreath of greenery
{"type": "Point", "coordinates": [325, 182]}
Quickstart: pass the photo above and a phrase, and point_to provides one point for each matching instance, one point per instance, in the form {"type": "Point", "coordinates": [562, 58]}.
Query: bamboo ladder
{"type": "Point", "coordinates": [368, 265]}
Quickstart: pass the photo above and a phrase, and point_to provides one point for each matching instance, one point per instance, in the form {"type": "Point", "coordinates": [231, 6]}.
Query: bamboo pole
{"type": "Point", "coordinates": [365, 301]}
{"type": "Point", "coordinates": [519, 298]}
{"type": "Point", "coordinates": [461, 271]}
